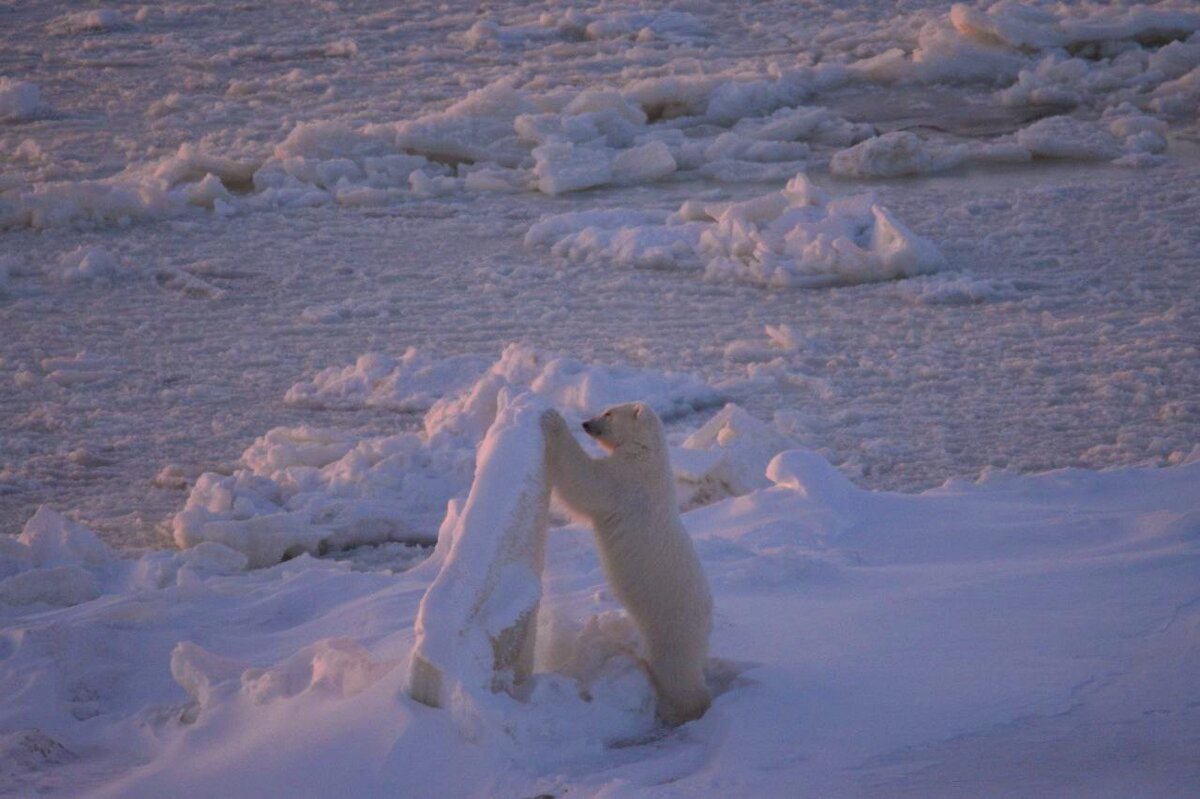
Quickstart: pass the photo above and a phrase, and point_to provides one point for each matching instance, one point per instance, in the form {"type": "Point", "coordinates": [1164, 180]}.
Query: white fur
{"type": "Point", "coordinates": [647, 554]}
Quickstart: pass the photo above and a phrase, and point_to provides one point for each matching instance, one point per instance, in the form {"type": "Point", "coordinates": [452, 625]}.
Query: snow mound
{"type": "Point", "coordinates": [18, 100]}
{"type": "Point", "coordinates": [58, 563]}
{"type": "Point", "coordinates": [796, 237]}
{"type": "Point", "coordinates": [410, 384]}
{"type": "Point", "coordinates": [476, 627]}
{"type": "Point", "coordinates": [307, 489]}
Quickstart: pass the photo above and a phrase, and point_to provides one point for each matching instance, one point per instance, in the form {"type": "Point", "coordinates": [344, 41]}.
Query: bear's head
{"type": "Point", "coordinates": [633, 425]}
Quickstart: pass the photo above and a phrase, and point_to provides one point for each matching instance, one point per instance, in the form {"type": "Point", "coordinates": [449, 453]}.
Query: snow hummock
{"type": "Point", "coordinates": [88, 264]}
{"type": "Point", "coordinates": [307, 489]}
{"type": "Point", "coordinates": [411, 383]}
{"type": "Point", "coordinates": [796, 237]}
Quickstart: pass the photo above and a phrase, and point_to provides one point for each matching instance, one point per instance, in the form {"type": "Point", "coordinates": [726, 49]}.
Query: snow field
{"type": "Point", "coordinates": [255, 268]}
{"type": "Point", "coordinates": [957, 652]}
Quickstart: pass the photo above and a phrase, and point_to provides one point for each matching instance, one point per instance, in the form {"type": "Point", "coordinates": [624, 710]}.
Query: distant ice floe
{"type": "Point", "coordinates": [1123, 135]}
{"type": "Point", "coordinates": [796, 237]}
{"type": "Point", "coordinates": [305, 489]}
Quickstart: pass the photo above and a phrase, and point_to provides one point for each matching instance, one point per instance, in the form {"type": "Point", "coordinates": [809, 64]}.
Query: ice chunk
{"type": "Point", "coordinates": [643, 164]}
{"type": "Point", "coordinates": [562, 167]}
{"type": "Point", "coordinates": [334, 667]}
{"type": "Point", "coordinates": [741, 446]}
{"type": "Point", "coordinates": [638, 239]}
{"type": "Point", "coordinates": [477, 622]}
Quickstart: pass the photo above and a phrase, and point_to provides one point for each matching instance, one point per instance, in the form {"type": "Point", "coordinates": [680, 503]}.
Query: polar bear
{"type": "Point", "coordinates": [648, 557]}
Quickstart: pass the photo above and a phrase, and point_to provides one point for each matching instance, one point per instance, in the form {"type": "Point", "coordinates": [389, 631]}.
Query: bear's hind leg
{"type": "Point", "coordinates": [682, 692]}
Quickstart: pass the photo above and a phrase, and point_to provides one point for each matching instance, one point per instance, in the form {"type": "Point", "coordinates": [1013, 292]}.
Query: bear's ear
{"type": "Point", "coordinates": [638, 407]}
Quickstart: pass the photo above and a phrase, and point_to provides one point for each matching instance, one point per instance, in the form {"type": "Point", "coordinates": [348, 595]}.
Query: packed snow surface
{"type": "Point", "coordinates": [1027, 635]}
{"type": "Point", "coordinates": [270, 272]}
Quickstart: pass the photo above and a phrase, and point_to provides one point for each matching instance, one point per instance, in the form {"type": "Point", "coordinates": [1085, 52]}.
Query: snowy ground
{"type": "Point", "coordinates": [260, 265]}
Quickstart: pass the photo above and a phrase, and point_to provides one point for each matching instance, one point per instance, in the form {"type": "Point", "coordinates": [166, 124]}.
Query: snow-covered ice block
{"type": "Point", "coordinates": [726, 457]}
{"type": "Point", "coordinates": [54, 561]}
{"type": "Point", "coordinates": [902, 153]}
{"type": "Point", "coordinates": [477, 622]}
{"type": "Point", "coordinates": [890, 155]}
{"type": "Point", "coordinates": [477, 128]}
{"type": "Point", "coordinates": [1028, 27]}
{"type": "Point", "coordinates": [643, 164]}
{"type": "Point", "coordinates": [54, 540]}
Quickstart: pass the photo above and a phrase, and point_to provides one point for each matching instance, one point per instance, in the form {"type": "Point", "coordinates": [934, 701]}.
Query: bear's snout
{"type": "Point", "coordinates": [591, 428]}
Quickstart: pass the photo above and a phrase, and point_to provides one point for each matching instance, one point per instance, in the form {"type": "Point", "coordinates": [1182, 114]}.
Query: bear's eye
{"type": "Point", "coordinates": [608, 415]}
